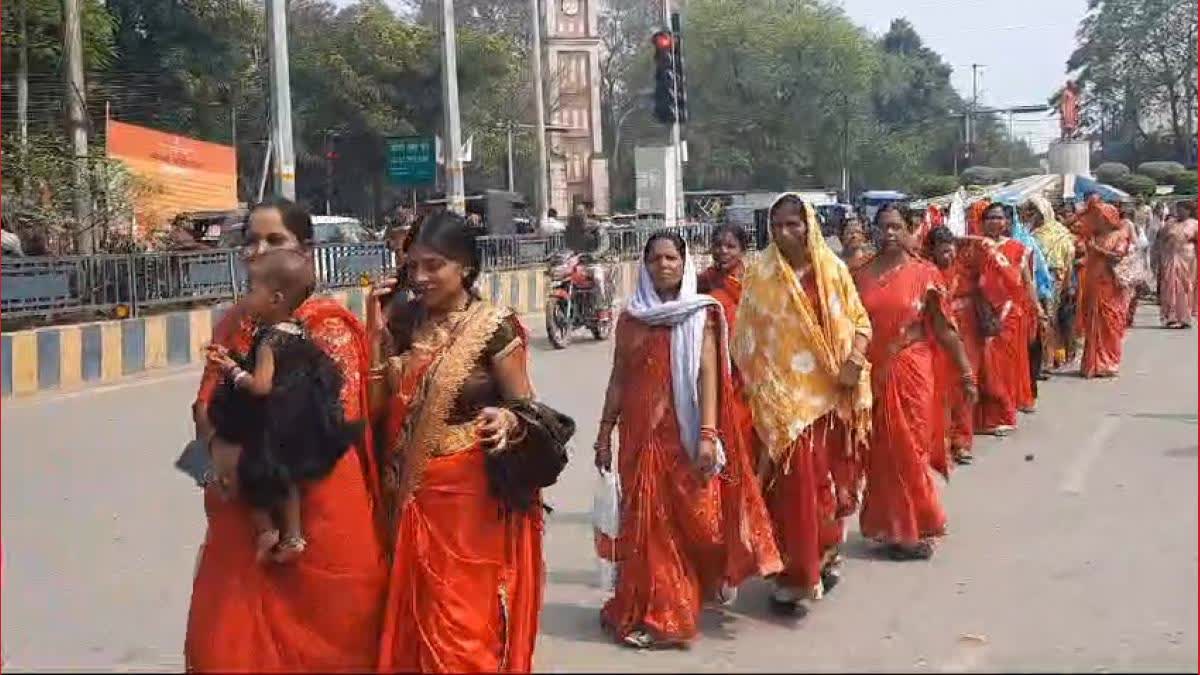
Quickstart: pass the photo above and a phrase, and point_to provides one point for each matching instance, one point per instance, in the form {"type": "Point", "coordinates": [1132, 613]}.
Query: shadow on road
{"type": "Point", "coordinates": [1189, 452]}
{"type": "Point", "coordinates": [576, 623]}
{"type": "Point", "coordinates": [1186, 418]}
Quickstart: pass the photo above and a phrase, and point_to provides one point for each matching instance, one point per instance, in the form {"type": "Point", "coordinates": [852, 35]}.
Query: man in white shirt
{"type": "Point", "coordinates": [551, 224]}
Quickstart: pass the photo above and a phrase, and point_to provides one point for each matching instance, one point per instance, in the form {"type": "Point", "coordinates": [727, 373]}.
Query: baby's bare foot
{"type": "Point", "coordinates": [264, 543]}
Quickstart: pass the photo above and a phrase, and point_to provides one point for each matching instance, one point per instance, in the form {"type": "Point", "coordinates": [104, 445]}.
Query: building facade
{"type": "Point", "coordinates": [578, 168]}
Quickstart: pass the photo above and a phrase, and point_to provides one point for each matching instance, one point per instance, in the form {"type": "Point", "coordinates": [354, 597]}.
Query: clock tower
{"type": "Point", "coordinates": [578, 170]}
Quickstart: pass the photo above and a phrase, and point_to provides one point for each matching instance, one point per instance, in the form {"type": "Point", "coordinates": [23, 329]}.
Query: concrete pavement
{"type": "Point", "coordinates": [1082, 558]}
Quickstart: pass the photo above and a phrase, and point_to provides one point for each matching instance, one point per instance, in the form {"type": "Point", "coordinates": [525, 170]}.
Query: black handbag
{"type": "Point", "coordinates": [533, 462]}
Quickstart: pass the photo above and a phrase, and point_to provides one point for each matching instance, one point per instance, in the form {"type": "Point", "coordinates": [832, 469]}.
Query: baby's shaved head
{"type": "Point", "coordinates": [286, 271]}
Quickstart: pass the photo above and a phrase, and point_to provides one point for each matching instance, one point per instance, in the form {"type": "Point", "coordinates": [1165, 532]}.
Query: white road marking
{"type": "Point", "coordinates": [1073, 482]}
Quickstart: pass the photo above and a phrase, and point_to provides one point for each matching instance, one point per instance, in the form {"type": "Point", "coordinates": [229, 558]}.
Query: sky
{"type": "Point", "coordinates": [1023, 46]}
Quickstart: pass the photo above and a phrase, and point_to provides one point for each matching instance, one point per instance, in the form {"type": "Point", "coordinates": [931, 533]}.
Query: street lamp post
{"type": "Point", "coordinates": [539, 103]}
{"type": "Point", "coordinates": [455, 198]}
{"type": "Point", "coordinates": [281, 101]}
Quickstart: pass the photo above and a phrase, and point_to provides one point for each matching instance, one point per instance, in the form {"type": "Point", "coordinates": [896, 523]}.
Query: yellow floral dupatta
{"type": "Point", "coordinates": [789, 358]}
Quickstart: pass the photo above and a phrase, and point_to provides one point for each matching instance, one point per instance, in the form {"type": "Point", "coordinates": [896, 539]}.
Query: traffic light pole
{"type": "Point", "coordinates": [672, 23]}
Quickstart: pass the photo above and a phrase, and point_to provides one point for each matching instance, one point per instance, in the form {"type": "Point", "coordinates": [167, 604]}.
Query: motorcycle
{"type": "Point", "coordinates": [581, 295]}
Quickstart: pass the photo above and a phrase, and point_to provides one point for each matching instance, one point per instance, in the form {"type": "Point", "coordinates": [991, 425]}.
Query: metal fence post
{"type": "Point", "coordinates": [233, 281]}
{"type": "Point", "coordinates": [133, 289]}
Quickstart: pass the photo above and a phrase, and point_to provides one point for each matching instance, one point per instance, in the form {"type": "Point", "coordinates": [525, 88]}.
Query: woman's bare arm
{"type": "Point", "coordinates": [710, 372]}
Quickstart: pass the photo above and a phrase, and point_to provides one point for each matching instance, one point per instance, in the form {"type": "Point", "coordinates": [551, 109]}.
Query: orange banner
{"type": "Point", "coordinates": [180, 174]}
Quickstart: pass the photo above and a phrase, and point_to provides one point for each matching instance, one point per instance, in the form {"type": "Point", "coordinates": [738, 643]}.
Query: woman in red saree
{"type": "Point", "coordinates": [973, 273]}
{"type": "Point", "coordinates": [856, 246]}
{"type": "Point", "coordinates": [669, 392]}
{"type": "Point", "coordinates": [1006, 386]}
{"type": "Point", "coordinates": [465, 588]}
{"type": "Point", "coordinates": [322, 611]}
{"type": "Point", "coordinates": [910, 320]}
{"type": "Point", "coordinates": [746, 529]}
{"type": "Point", "coordinates": [1104, 306]}
{"type": "Point", "coordinates": [801, 342]}
{"type": "Point", "coordinates": [1175, 255]}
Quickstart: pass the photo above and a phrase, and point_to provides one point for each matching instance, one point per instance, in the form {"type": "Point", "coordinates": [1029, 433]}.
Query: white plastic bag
{"type": "Point", "coordinates": [957, 217]}
{"type": "Point", "coordinates": [606, 523]}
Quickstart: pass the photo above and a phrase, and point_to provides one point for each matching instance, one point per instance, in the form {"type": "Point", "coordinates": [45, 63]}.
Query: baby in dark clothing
{"type": "Point", "coordinates": [281, 403]}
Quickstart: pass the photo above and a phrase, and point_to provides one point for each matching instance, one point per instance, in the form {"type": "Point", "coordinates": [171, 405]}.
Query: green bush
{"type": "Point", "coordinates": [1136, 185]}
{"type": "Point", "coordinates": [985, 175]}
{"type": "Point", "coordinates": [1185, 183]}
{"type": "Point", "coordinates": [1109, 172]}
{"type": "Point", "coordinates": [934, 186]}
{"type": "Point", "coordinates": [1027, 172]}
{"type": "Point", "coordinates": [1162, 172]}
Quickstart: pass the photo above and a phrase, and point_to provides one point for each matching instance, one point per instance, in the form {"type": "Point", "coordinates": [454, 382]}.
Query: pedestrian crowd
{"type": "Point", "coordinates": [752, 408]}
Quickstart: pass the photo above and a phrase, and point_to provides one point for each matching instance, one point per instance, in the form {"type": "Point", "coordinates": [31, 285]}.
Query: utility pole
{"type": "Point", "coordinates": [974, 105]}
{"type": "Point", "coordinates": [85, 242]}
{"type": "Point", "coordinates": [542, 198]}
{"type": "Point", "coordinates": [511, 186]}
{"type": "Point", "coordinates": [456, 200]}
{"type": "Point", "coordinates": [281, 101]}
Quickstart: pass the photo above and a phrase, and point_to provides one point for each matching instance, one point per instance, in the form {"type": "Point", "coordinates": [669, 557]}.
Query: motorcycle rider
{"type": "Point", "coordinates": [586, 240]}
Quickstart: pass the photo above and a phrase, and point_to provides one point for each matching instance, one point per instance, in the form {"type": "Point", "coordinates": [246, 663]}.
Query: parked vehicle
{"type": "Point", "coordinates": [580, 296]}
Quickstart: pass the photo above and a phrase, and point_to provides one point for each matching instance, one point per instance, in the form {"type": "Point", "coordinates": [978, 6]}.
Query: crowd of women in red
{"type": "Point", "coordinates": [758, 405]}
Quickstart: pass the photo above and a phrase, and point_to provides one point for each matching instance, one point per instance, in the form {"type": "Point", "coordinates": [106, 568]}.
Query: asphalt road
{"type": "Point", "coordinates": [1072, 545]}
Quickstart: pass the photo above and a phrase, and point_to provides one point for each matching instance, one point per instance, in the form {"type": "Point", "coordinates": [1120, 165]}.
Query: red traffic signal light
{"type": "Point", "coordinates": [663, 40]}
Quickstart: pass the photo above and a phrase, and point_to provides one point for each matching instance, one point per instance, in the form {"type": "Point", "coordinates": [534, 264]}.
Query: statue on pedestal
{"type": "Point", "coordinates": [1068, 109]}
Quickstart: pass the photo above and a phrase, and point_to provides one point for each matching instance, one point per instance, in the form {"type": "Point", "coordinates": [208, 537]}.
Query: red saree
{"type": "Point", "coordinates": [465, 589]}
{"type": "Point", "coordinates": [1104, 306]}
{"type": "Point", "coordinates": [746, 531]}
{"type": "Point", "coordinates": [669, 557]}
{"type": "Point", "coordinates": [809, 500]}
{"type": "Point", "coordinates": [900, 504]}
{"type": "Point", "coordinates": [322, 612]}
{"type": "Point", "coordinates": [1004, 380]}
{"type": "Point", "coordinates": [812, 495]}
{"type": "Point", "coordinates": [978, 275]}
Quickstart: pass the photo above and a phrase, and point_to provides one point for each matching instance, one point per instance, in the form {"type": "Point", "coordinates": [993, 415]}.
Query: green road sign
{"type": "Point", "coordinates": [411, 160]}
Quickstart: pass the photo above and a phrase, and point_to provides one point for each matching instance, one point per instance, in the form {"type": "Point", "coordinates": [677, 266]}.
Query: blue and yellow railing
{"type": "Point", "coordinates": [62, 358]}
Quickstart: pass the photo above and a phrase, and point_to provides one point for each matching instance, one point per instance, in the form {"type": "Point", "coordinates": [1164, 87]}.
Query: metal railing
{"type": "Point", "coordinates": [54, 287]}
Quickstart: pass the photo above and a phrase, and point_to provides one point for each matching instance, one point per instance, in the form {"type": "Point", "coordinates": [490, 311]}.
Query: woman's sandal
{"type": "Point", "coordinates": [921, 551]}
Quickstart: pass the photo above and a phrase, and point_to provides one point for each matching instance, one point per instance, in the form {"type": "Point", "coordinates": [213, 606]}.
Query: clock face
{"type": "Point", "coordinates": [570, 7]}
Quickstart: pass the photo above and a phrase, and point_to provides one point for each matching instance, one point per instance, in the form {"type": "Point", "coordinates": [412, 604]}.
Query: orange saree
{"type": "Point", "coordinates": [746, 531]}
{"type": "Point", "coordinates": [465, 587]}
{"type": "Point", "coordinates": [1004, 377]}
{"type": "Point", "coordinates": [322, 612]}
{"type": "Point", "coordinates": [900, 503]}
{"type": "Point", "coordinates": [668, 553]}
{"type": "Point", "coordinates": [1104, 306]}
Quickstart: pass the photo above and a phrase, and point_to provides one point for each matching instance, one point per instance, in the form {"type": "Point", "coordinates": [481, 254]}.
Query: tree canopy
{"type": "Point", "coordinates": [781, 94]}
{"type": "Point", "coordinates": [1136, 62]}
